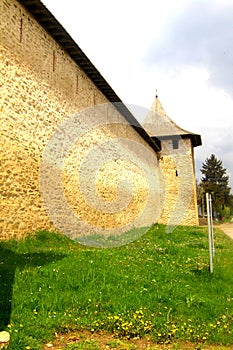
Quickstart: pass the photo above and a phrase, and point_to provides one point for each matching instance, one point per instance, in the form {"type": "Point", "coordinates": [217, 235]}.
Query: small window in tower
{"type": "Point", "coordinates": [175, 144]}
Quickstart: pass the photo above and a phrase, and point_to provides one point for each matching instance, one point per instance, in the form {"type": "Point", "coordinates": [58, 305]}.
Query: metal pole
{"type": "Point", "coordinates": [209, 232]}
{"type": "Point", "coordinates": [212, 225]}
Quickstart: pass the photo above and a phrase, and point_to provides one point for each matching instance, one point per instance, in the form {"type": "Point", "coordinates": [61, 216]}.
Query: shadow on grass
{"type": "Point", "coordinates": [9, 262]}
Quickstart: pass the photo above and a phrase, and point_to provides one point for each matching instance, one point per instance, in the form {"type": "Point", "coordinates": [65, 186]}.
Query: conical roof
{"type": "Point", "coordinates": [158, 124]}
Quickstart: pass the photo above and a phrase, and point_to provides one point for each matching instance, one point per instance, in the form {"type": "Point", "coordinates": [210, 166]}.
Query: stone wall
{"type": "Point", "coordinates": [41, 88]}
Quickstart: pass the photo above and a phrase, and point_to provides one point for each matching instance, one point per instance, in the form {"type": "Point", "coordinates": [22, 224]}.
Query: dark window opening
{"type": "Point", "coordinates": [21, 31]}
{"type": "Point", "coordinates": [77, 84]}
{"type": "Point", "coordinates": [175, 144]}
{"type": "Point", "coordinates": [176, 173]}
{"type": "Point", "coordinates": [54, 60]}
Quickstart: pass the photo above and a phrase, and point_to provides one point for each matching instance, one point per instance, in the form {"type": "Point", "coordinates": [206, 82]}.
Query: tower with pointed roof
{"type": "Point", "coordinates": [176, 164]}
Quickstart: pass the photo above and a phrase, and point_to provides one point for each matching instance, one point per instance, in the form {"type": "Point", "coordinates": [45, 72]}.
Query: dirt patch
{"type": "Point", "coordinates": [227, 228]}
{"type": "Point", "coordinates": [104, 341]}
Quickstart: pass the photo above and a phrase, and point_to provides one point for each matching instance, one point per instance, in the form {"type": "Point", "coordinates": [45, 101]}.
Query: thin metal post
{"type": "Point", "coordinates": [209, 214]}
{"type": "Point", "coordinates": [212, 225]}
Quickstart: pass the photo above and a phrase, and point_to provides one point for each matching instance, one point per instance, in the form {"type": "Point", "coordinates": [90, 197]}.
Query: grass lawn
{"type": "Point", "coordinates": [158, 287]}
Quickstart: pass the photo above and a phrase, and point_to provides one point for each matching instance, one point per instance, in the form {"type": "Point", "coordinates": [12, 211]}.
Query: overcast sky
{"type": "Point", "coordinates": [182, 48]}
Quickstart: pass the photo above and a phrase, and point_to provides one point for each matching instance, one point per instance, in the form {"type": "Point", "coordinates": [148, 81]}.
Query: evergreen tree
{"type": "Point", "coordinates": [215, 181]}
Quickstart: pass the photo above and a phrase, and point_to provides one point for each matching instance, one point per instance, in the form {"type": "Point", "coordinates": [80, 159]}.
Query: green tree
{"type": "Point", "coordinates": [216, 181]}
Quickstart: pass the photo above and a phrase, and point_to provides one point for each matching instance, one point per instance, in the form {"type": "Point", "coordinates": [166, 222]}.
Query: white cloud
{"type": "Point", "coordinates": [201, 36]}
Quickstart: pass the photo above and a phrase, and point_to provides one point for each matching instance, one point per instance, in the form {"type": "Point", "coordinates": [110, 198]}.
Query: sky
{"type": "Point", "coordinates": [181, 50]}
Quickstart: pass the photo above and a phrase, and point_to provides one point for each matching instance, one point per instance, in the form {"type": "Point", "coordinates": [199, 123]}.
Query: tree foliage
{"type": "Point", "coordinates": [216, 182]}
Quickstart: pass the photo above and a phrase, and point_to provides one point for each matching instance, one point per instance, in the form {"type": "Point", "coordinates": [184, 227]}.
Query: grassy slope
{"type": "Point", "coordinates": [159, 285]}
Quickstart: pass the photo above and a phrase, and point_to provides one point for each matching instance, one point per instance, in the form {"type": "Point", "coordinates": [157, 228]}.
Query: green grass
{"type": "Point", "coordinates": [159, 286]}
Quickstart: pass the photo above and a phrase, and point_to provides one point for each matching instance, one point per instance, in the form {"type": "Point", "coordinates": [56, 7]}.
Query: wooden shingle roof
{"type": "Point", "coordinates": [158, 124]}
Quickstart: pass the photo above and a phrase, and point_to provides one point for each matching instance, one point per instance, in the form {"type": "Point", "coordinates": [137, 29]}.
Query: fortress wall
{"type": "Point", "coordinates": [42, 87]}
{"type": "Point", "coordinates": [177, 169]}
